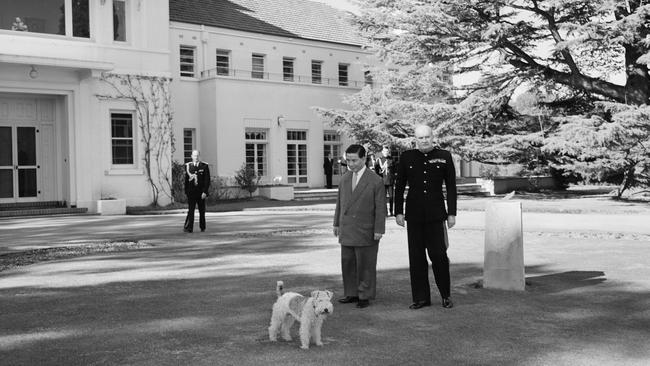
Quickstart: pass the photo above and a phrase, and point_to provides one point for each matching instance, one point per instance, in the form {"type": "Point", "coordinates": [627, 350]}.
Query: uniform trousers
{"type": "Point", "coordinates": [359, 268]}
{"type": "Point", "coordinates": [390, 198]}
{"type": "Point", "coordinates": [192, 202]}
{"type": "Point", "coordinates": [428, 238]}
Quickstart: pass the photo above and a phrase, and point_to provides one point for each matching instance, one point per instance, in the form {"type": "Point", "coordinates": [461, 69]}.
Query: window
{"type": "Point", "coordinates": [119, 20]}
{"type": "Point", "coordinates": [332, 145]}
{"type": "Point", "coordinates": [223, 62]}
{"type": "Point", "coordinates": [343, 74]}
{"type": "Point", "coordinates": [256, 157]}
{"type": "Point", "coordinates": [316, 71]}
{"type": "Point", "coordinates": [257, 66]}
{"type": "Point", "coordinates": [367, 76]}
{"type": "Point", "coordinates": [187, 61]}
{"type": "Point", "coordinates": [47, 17]}
{"type": "Point", "coordinates": [189, 143]}
{"type": "Point", "coordinates": [287, 68]}
{"type": "Point", "coordinates": [122, 138]}
{"type": "Point", "coordinates": [296, 135]}
{"type": "Point", "coordinates": [297, 156]}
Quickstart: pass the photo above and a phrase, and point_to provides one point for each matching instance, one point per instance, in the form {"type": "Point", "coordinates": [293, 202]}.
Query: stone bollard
{"type": "Point", "coordinates": [504, 246]}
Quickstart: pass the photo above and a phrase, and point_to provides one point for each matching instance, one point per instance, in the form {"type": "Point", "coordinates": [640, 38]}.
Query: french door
{"type": "Point", "coordinates": [297, 157]}
{"type": "Point", "coordinates": [18, 163]}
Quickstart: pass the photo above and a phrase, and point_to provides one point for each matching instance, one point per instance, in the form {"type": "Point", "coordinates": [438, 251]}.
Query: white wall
{"type": "Point", "coordinates": [229, 104]}
{"type": "Point", "coordinates": [69, 68]}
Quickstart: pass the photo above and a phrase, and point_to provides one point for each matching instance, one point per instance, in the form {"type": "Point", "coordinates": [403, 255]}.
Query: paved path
{"type": "Point", "coordinates": [27, 233]}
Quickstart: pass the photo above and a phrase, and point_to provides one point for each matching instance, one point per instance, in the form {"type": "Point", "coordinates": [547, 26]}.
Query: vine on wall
{"type": "Point", "coordinates": [151, 98]}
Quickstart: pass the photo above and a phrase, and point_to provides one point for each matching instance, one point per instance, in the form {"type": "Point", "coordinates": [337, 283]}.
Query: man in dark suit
{"type": "Point", "coordinates": [359, 222]}
{"type": "Point", "coordinates": [197, 184]}
{"type": "Point", "coordinates": [425, 169]}
{"type": "Point", "coordinates": [384, 167]}
{"type": "Point", "coordinates": [328, 165]}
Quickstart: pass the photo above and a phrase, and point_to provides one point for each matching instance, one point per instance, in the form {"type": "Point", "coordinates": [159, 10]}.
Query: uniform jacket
{"type": "Point", "coordinates": [425, 173]}
{"type": "Point", "coordinates": [360, 213]}
{"type": "Point", "coordinates": [202, 183]}
{"type": "Point", "coordinates": [387, 175]}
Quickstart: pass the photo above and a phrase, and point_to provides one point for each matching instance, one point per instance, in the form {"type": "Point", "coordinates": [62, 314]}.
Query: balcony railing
{"type": "Point", "coordinates": [282, 77]}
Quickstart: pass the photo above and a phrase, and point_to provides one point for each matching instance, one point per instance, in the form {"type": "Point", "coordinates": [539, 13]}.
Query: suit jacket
{"type": "Point", "coordinates": [360, 213]}
{"type": "Point", "coordinates": [202, 183]}
{"type": "Point", "coordinates": [327, 166]}
{"type": "Point", "coordinates": [425, 173]}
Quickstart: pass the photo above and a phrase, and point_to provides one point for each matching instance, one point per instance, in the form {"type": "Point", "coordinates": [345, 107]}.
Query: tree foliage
{"type": "Point", "coordinates": [577, 61]}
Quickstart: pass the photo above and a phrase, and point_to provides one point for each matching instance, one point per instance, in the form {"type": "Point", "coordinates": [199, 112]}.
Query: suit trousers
{"type": "Point", "coordinates": [328, 180]}
{"type": "Point", "coordinates": [192, 202]}
{"type": "Point", "coordinates": [359, 267]}
{"type": "Point", "coordinates": [428, 238]}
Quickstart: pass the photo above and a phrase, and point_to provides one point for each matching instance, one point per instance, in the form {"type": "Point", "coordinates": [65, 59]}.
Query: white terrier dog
{"type": "Point", "coordinates": [311, 312]}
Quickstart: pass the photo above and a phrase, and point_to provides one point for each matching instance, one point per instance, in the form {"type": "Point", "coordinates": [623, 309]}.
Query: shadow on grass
{"type": "Point", "coordinates": [573, 317]}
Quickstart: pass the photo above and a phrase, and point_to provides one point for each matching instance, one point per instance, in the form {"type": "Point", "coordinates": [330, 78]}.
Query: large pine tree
{"type": "Point", "coordinates": [583, 63]}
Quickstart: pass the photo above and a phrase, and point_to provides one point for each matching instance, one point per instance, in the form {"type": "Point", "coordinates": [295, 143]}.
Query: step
{"type": "Point", "coordinates": [315, 194]}
{"type": "Point", "coordinates": [43, 211]}
{"type": "Point", "coordinates": [22, 205]}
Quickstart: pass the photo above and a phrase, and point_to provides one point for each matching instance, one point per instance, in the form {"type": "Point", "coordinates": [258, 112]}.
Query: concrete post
{"type": "Point", "coordinates": [504, 246]}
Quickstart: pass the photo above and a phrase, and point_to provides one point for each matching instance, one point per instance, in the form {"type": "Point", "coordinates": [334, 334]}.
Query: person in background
{"type": "Point", "coordinates": [384, 167]}
{"type": "Point", "coordinates": [328, 165]}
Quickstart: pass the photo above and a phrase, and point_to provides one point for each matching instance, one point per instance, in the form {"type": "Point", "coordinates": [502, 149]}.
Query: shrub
{"type": "Point", "coordinates": [247, 179]}
{"type": "Point", "coordinates": [218, 186]}
{"type": "Point", "coordinates": [178, 182]}
{"type": "Point", "coordinates": [219, 190]}
{"type": "Point", "coordinates": [489, 171]}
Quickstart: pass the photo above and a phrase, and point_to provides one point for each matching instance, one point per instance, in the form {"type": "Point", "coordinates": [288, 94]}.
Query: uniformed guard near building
{"type": "Point", "coordinates": [197, 184]}
{"type": "Point", "coordinates": [425, 169]}
{"type": "Point", "coordinates": [384, 167]}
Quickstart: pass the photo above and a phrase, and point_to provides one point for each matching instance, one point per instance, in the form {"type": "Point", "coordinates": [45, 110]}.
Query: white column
{"type": "Point", "coordinates": [504, 246]}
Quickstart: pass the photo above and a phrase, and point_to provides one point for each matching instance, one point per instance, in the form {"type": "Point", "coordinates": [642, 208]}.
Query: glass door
{"type": "Point", "coordinates": [18, 165]}
{"type": "Point", "coordinates": [297, 157]}
{"type": "Point", "coordinates": [6, 164]}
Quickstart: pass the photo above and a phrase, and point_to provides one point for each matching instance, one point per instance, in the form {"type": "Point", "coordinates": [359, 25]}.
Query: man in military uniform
{"type": "Point", "coordinates": [424, 170]}
{"type": "Point", "coordinates": [197, 183]}
{"type": "Point", "coordinates": [384, 167]}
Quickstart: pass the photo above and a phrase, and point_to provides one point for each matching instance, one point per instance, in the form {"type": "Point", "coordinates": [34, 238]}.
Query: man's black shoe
{"type": "Point", "coordinates": [446, 303]}
{"type": "Point", "coordinates": [187, 230]}
{"type": "Point", "coordinates": [202, 230]}
{"type": "Point", "coordinates": [363, 303]}
{"type": "Point", "coordinates": [348, 299]}
{"type": "Point", "coordinates": [419, 304]}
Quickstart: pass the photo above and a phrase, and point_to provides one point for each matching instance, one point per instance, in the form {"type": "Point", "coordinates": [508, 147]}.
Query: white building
{"type": "Point", "coordinates": [246, 76]}
{"type": "Point", "coordinates": [58, 140]}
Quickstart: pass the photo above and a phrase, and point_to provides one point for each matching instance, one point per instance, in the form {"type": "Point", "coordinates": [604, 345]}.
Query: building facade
{"type": "Point", "coordinates": [60, 141]}
{"type": "Point", "coordinates": [247, 74]}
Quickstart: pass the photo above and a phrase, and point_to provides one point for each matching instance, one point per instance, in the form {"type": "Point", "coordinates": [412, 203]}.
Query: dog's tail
{"type": "Point", "coordinates": [279, 286]}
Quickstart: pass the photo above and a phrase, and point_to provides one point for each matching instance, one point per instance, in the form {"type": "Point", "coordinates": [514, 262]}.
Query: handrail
{"type": "Point", "coordinates": [288, 78]}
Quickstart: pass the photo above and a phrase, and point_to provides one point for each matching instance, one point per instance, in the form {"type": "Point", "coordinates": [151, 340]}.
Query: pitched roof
{"type": "Point", "coordinates": [288, 18]}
